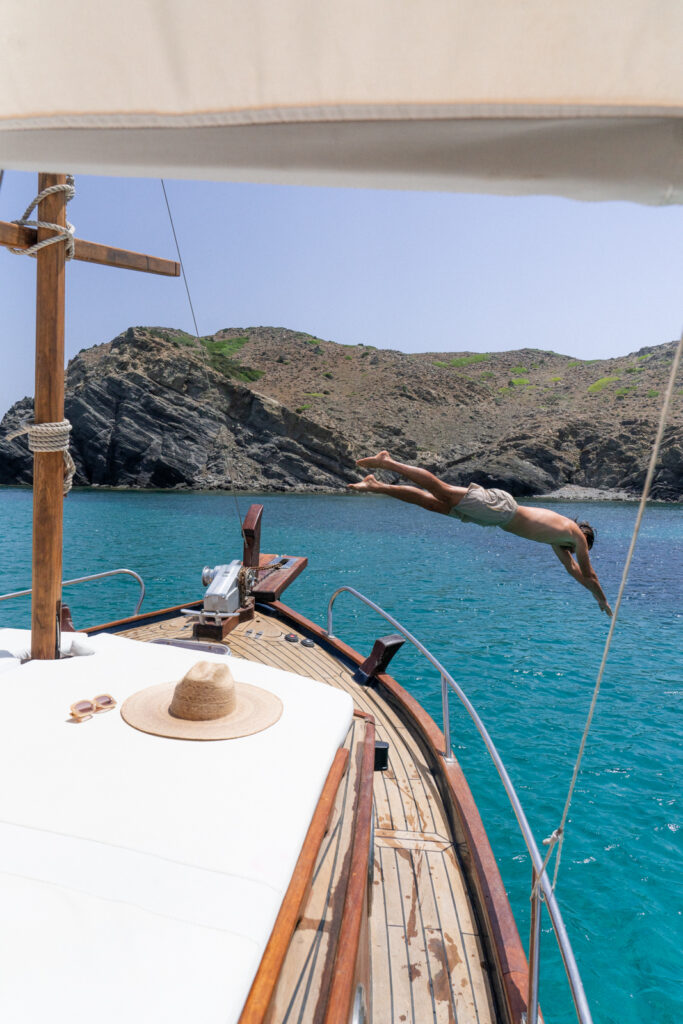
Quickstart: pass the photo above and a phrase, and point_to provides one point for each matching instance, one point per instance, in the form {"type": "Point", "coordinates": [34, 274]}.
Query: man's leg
{"type": "Point", "coordinates": [413, 495]}
{"type": "Point", "coordinates": [444, 493]}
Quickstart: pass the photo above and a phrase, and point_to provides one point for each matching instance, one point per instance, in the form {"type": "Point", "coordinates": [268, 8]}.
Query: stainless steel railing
{"type": "Point", "coordinates": [541, 893]}
{"type": "Point", "coordinates": [85, 579]}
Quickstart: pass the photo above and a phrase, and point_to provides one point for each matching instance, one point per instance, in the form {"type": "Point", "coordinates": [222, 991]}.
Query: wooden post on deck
{"type": "Point", "coordinates": [48, 467]}
{"type": "Point", "coordinates": [251, 531]}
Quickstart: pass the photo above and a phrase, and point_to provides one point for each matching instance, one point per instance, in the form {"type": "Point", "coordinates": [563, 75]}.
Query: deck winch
{"type": "Point", "coordinates": [233, 588]}
{"type": "Point", "coordinates": [226, 599]}
{"type": "Point", "coordinates": [225, 589]}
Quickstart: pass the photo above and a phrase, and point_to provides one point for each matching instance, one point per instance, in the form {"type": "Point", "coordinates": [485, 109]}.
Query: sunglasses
{"type": "Point", "coordinates": [84, 709]}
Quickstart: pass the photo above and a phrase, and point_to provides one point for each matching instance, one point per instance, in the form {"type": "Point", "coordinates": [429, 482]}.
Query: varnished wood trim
{"type": "Point", "coordinates": [342, 990]}
{"type": "Point", "coordinates": [273, 585]}
{"type": "Point", "coordinates": [482, 869]}
{"type": "Point", "coordinates": [146, 618]}
{"type": "Point", "coordinates": [263, 986]}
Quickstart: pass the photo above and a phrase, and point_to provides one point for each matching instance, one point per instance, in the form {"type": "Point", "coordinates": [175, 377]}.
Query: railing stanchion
{"type": "Point", "coordinates": [534, 950]}
{"type": "Point", "coordinates": [448, 751]}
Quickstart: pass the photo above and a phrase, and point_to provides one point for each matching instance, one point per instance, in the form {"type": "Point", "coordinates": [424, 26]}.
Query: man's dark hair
{"type": "Point", "coordinates": [588, 532]}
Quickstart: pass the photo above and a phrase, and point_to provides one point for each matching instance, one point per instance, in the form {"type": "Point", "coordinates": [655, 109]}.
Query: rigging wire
{"type": "Point", "coordinates": [558, 836]}
{"type": "Point", "coordinates": [180, 258]}
{"type": "Point", "coordinates": [196, 331]}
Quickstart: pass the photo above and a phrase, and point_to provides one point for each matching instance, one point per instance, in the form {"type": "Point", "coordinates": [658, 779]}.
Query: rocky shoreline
{"type": "Point", "coordinates": [267, 409]}
{"type": "Point", "coordinates": [570, 492]}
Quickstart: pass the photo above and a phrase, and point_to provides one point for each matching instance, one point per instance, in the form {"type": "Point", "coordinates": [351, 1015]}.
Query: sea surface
{"type": "Point", "coordinates": [524, 641]}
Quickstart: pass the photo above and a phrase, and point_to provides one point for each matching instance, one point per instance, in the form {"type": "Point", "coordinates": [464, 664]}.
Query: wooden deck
{"type": "Point", "coordinates": [427, 958]}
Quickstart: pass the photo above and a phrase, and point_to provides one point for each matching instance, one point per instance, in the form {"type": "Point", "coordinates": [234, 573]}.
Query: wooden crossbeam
{"type": "Point", "coordinates": [20, 237]}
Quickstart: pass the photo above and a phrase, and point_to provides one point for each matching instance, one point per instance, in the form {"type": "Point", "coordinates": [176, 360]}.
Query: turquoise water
{"type": "Point", "coordinates": [523, 639]}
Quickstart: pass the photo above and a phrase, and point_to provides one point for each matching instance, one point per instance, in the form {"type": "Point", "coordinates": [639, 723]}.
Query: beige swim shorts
{"type": "Point", "coordinates": [485, 507]}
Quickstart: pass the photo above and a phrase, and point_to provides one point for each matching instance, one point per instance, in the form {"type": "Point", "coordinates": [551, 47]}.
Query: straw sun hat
{"type": "Point", "coordinates": [207, 704]}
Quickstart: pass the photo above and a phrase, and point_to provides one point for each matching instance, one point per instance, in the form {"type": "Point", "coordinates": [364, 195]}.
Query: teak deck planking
{"type": "Point", "coordinates": [309, 963]}
{"type": "Point", "coordinates": [427, 959]}
{"type": "Point", "coordinates": [270, 970]}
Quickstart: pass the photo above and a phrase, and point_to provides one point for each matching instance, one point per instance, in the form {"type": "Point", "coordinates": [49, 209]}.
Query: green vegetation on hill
{"type": "Point", "coordinates": [458, 361]}
{"type": "Point", "coordinates": [183, 340]}
{"type": "Point", "coordinates": [599, 385]}
{"type": "Point", "coordinates": [220, 352]}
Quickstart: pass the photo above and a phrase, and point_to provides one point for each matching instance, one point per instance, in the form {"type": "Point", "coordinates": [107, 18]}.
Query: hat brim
{"type": "Point", "coordinates": [148, 711]}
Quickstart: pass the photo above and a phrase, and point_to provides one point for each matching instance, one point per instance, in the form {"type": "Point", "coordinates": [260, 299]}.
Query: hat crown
{"type": "Point", "coordinates": [204, 693]}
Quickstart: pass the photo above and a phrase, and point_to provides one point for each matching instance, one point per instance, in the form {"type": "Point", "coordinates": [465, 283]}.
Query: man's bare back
{"type": "Point", "coordinates": [488, 508]}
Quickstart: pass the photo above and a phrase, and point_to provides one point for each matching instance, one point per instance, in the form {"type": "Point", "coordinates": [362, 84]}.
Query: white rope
{"type": "Point", "coordinates": [49, 437]}
{"type": "Point", "coordinates": [557, 837]}
{"type": "Point", "coordinates": [63, 233]}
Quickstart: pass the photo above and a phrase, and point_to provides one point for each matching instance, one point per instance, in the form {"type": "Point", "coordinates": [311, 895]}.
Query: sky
{"type": "Point", "coordinates": [414, 271]}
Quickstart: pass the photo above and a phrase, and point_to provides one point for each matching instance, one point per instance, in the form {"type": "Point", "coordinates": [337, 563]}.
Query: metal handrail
{"type": "Point", "coordinates": [85, 579]}
{"type": "Point", "coordinates": [548, 896]}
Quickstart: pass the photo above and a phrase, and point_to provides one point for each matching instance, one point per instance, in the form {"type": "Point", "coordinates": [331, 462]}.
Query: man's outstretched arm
{"type": "Point", "coordinates": [583, 573]}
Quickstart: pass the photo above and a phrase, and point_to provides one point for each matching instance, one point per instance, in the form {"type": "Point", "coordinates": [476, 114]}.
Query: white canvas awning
{"type": "Point", "coordinates": [570, 97]}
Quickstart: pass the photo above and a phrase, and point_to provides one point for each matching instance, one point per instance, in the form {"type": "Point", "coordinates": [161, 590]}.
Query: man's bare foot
{"type": "Point", "coordinates": [369, 483]}
{"type": "Point", "coordinates": [375, 461]}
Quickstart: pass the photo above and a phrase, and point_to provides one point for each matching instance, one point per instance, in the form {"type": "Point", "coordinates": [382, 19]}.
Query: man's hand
{"type": "Point", "coordinates": [582, 571]}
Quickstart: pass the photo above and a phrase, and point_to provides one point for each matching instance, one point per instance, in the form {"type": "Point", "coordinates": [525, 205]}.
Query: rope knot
{"type": "Point", "coordinates": [553, 837]}
{"type": "Point", "coordinates": [49, 437]}
{"type": "Point", "coordinates": [62, 233]}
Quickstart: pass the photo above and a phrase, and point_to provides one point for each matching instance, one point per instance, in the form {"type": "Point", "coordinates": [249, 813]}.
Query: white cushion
{"type": "Point", "coordinates": [17, 642]}
{"type": "Point", "coordinates": [151, 867]}
{"type": "Point", "coordinates": [8, 661]}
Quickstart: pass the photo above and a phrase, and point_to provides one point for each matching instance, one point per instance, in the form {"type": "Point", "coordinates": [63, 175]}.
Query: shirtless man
{"type": "Point", "coordinates": [570, 541]}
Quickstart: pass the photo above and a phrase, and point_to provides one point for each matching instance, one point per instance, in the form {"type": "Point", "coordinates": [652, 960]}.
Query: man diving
{"type": "Point", "coordinates": [570, 541]}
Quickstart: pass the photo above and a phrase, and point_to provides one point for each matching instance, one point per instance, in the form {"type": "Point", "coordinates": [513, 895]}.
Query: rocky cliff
{"type": "Point", "coordinates": [272, 409]}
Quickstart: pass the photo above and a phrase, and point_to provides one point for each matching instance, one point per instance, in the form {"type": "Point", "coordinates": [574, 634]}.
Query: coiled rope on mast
{"type": "Point", "coordinates": [63, 233]}
{"type": "Point", "coordinates": [49, 437]}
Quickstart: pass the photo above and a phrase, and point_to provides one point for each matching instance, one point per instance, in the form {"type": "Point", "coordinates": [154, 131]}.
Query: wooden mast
{"type": "Point", "coordinates": [48, 467]}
